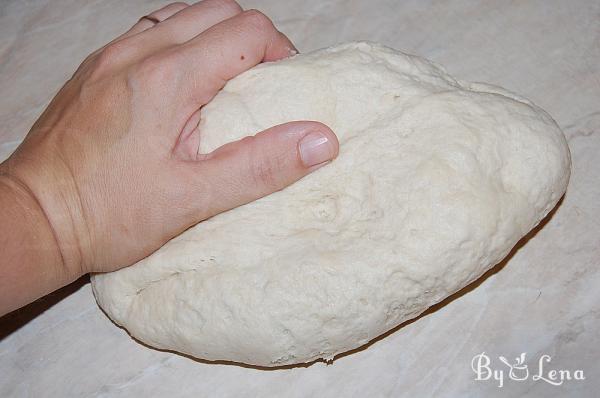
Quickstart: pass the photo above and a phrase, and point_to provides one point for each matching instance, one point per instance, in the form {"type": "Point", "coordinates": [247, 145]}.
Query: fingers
{"type": "Point", "coordinates": [248, 169]}
{"type": "Point", "coordinates": [158, 15]}
{"type": "Point", "coordinates": [144, 24]}
{"type": "Point", "coordinates": [226, 50]}
{"type": "Point", "coordinates": [185, 25]}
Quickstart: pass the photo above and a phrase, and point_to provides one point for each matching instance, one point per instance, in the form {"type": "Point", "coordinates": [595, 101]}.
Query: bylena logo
{"type": "Point", "coordinates": [519, 370]}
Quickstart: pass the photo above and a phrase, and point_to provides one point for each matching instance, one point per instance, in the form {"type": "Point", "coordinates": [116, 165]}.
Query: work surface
{"type": "Point", "coordinates": [543, 300]}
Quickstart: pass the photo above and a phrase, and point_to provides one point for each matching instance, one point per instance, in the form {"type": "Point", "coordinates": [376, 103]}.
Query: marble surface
{"type": "Point", "coordinates": [544, 299]}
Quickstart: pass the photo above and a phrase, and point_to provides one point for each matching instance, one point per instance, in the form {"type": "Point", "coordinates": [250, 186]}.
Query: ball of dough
{"type": "Point", "coordinates": [436, 181]}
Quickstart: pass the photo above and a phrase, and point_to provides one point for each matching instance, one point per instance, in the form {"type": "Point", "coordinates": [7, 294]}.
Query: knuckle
{"type": "Point", "coordinates": [91, 57]}
{"type": "Point", "coordinates": [257, 20]}
{"type": "Point", "coordinates": [265, 173]}
{"type": "Point", "coordinates": [155, 70]}
{"type": "Point", "coordinates": [264, 176]}
{"type": "Point", "coordinates": [102, 62]}
{"type": "Point", "coordinates": [112, 53]}
{"type": "Point", "coordinates": [88, 62]}
{"type": "Point", "coordinates": [179, 4]}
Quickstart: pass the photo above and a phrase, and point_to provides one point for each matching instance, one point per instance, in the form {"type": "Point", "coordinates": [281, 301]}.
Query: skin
{"type": "Point", "coordinates": [111, 169]}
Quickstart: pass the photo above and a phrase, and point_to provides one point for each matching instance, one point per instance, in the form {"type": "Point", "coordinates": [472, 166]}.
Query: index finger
{"type": "Point", "coordinates": [227, 49]}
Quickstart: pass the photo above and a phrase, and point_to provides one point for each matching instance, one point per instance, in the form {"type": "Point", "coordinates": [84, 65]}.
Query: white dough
{"type": "Point", "coordinates": [435, 182]}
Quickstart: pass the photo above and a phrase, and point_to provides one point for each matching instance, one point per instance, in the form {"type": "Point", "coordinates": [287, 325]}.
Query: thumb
{"type": "Point", "coordinates": [245, 170]}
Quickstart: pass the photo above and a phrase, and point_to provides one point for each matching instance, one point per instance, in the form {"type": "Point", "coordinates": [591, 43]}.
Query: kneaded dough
{"type": "Point", "coordinates": [436, 181]}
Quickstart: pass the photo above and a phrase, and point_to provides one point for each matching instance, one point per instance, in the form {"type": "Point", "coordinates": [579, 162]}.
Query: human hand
{"type": "Point", "coordinates": [113, 161]}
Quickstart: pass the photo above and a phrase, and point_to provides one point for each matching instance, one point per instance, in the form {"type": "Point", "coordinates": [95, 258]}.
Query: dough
{"type": "Point", "coordinates": [436, 181]}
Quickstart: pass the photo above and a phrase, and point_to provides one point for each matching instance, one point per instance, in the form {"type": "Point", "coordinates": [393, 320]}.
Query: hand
{"type": "Point", "coordinates": [112, 163]}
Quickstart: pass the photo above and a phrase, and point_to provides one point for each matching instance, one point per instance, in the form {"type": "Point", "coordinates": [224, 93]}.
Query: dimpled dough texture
{"type": "Point", "coordinates": [436, 181]}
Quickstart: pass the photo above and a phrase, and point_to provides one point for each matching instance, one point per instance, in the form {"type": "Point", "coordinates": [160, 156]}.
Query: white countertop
{"type": "Point", "coordinates": [544, 300]}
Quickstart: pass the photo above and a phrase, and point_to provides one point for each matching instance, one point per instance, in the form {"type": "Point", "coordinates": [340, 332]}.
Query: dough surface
{"type": "Point", "coordinates": [436, 181]}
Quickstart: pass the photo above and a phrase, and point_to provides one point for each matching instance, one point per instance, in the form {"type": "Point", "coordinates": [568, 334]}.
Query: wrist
{"type": "Point", "coordinates": [47, 201]}
{"type": "Point", "coordinates": [31, 264]}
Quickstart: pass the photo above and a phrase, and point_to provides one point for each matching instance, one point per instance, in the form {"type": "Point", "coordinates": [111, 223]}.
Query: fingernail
{"type": "Point", "coordinates": [315, 148]}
